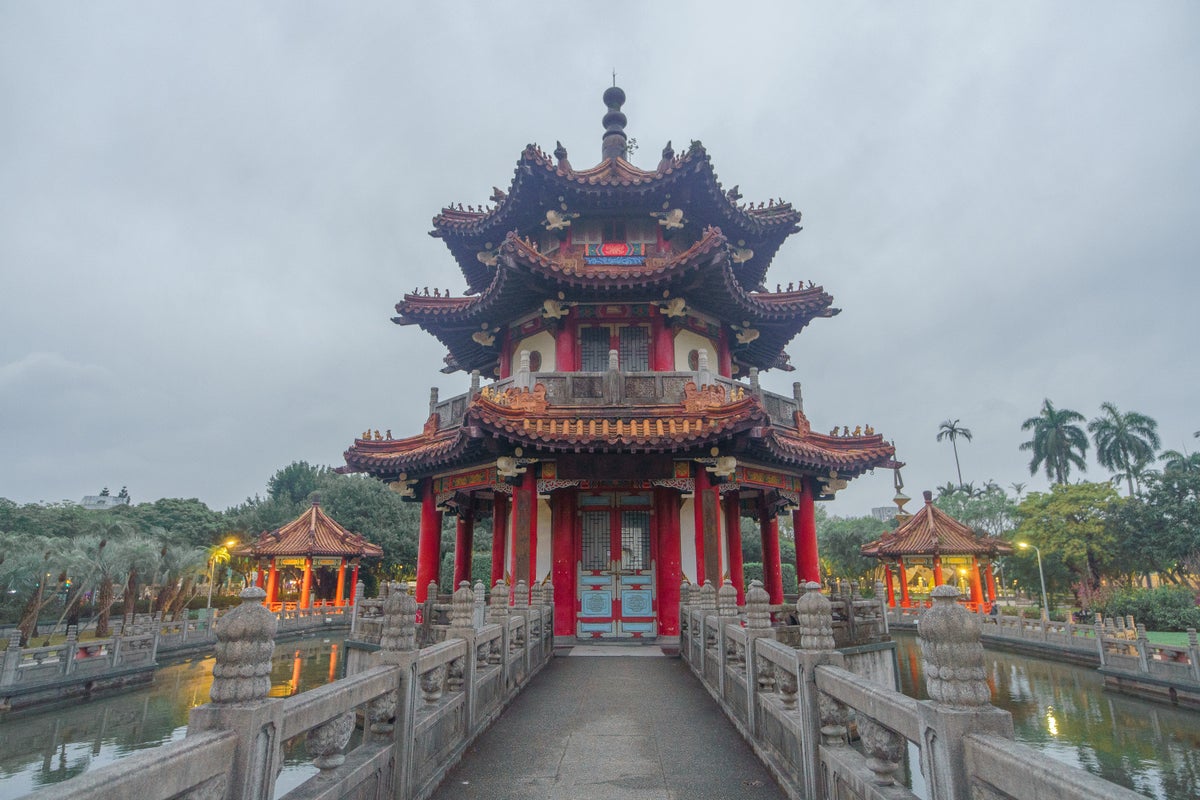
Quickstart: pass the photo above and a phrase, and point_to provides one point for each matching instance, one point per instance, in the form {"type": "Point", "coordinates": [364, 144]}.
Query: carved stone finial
{"type": "Point", "coordinates": [498, 604]}
{"type": "Point", "coordinates": [462, 608]}
{"type": "Point", "coordinates": [708, 597]}
{"type": "Point", "coordinates": [521, 595]}
{"type": "Point", "coordinates": [727, 599]}
{"type": "Point", "coordinates": [816, 619]}
{"type": "Point", "coordinates": [399, 620]}
{"type": "Point", "coordinates": [245, 642]}
{"type": "Point", "coordinates": [685, 592]}
{"type": "Point", "coordinates": [548, 594]}
{"type": "Point", "coordinates": [758, 606]}
{"type": "Point", "coordinates": [953, 656]}
{"type": "Point", "coordinates": [536, 594]}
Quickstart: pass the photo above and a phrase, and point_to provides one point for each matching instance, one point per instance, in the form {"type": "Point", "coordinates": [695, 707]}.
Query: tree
{"type": "Point", "coordinates": [296, 482]}
{"type": "Point", "coordinates": [1018, 488]}
{"type": "Point", "coordinates": [1070, 524]}
{"type": "Point", "coordinates": [989, 511]}
{"type": "Point", "coordinates": [1125, 442]}
{"type": "Point", "coordinates": [1175, 461]}
{"type": "Point", "coordinates": [950, 429]}
{"type": "Point", "coordinates": [1160, 530]}
{"type": "Point", "coordinates": [1057, 444]}
{"type": "Point", "coordinates": [840, 540]}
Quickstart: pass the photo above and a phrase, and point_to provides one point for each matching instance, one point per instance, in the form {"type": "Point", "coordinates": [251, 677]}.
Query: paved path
{"type": "Point", "coordinates": [618, 727]}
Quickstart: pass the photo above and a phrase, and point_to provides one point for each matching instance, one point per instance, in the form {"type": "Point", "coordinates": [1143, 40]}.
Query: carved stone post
{"type": "Point", "coordinates": [479, 609]}
{"type": "Point", "coordinates": [758, 626]}
{"type": "Point", "coordinates": [815, 615]}
{"type": "Point", "coordinates": [498, 605]}
{"type": "Point", "coordinates": [536, 594]}
{"type": "Point", "coordinates": [957, 686]}
{"type": "Point", "coordinates": [241, 685]}
{"type": "Point", "coordinates": [727, 600]}
{"type": "Point", "coordinates": [823, 718]}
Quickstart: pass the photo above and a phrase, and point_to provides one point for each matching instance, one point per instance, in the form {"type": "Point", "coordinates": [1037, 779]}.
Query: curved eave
{"type": "Point", "coordinates": [849, 456]}
{"type": "Point", "coordinates": [539, 183]}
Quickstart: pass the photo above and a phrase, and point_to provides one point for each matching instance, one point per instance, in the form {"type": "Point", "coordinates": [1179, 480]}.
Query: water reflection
{"type": "Point", "coordinates": [52, 745]}
{"type": "Point", "coordinates": [1064, 711]}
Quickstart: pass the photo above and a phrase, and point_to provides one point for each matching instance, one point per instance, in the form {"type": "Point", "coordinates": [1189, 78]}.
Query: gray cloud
{"type": "Point", "coordinates": [209, 211]}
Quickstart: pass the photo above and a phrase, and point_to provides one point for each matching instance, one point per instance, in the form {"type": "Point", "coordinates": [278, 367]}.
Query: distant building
{"type": "Point", "coordinates": [104, 502]}
{"type": "Point", "coordinates": [884, 513]}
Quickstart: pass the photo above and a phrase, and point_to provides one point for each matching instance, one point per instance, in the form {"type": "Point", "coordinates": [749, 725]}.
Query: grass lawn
{"type": "Point", "coordinates": [1173, 638]}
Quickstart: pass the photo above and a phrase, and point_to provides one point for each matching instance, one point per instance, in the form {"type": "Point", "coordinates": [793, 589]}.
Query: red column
{"type": "Point", "coordinates": [564, 344]}
{"type": "Point", "coordinates": [724, 358]}
{"type": "Point", "coordinates": [891, 590]}
{"type": "Point", "coordinates": [670, 560]}
{"type": "Point", "coordinates": [937, 570]}
{"type": "Point", "coordinates": [261, 578]}
{"type": "Point", "coordinates": [499, 528]}
{"type": "Point", "coordinates": [429, 543]}
{"type": "Point", "coordinates": [306, 583]}
{"type": "Point", "coordinates": [708, 528]}
{"type": "Point", "coordinates": [354, 583]}
{"type": "Point", "coordinates": [768, 524]}
{"type": "Point", "coordinates": [524, 529]}
{"type": "Point", "coordinates": [341, 585]}
{"type": "Point", "coordinates": [991, 581]}
{"type": "Point", "coordinates": [272, 584]}
{"type": "Point", "coordinates": [804, 522]}
{"type": "Point", "coordinates": [976, 588]}
{"type": "Point", "coordinates": [562, 559]}
{"type": "Point", "coordinates": [733, 538]}
{"type": "Point", "coordinates": [464, 543]}
{"type": "Point", "coordinates": [663, 346]}
{"type": "Point", "coordinates": [904, 601]}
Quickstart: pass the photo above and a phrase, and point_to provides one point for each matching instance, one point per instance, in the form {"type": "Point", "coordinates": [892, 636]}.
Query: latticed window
{"type": "Point", "coordinates": [635, 539]}
{"type": "Point", "coordinates": [634, 352]}
{"type": "Point", "coordinates": [595, 540]}
{"type": "Point", "coordinates": [593, 349]}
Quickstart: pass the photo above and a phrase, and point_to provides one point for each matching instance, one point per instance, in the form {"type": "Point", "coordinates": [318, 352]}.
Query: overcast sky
{"type": "Point", "coordinates": [208, 210]}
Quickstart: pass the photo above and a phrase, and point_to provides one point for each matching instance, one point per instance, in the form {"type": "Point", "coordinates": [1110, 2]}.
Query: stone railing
{"type": "Point", "coordinates": [826, 732]}
{"type": "Point", "coordinates": [634, 388]}
{"type": "Point", "coordinates": [419, 709]}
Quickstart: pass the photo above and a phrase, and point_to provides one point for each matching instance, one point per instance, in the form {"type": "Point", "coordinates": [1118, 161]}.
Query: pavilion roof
{"type": "Point", "coordinates": [313, 533]}
{"type": "Point", "coordinates": [932, 531]}
{"type": "Point", "coordinates": [704, 275]}
{"type": "Point", "coordinates": [705, 418]}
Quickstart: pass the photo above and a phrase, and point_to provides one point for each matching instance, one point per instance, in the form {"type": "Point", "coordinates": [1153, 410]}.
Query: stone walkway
{"type": "Point", "coordinates": [611, 726]}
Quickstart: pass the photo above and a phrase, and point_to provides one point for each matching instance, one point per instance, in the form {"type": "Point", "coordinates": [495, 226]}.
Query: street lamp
{"type": "Point", "coordinates": [1041, 575]}
{"type": "Point", "coordinates": [220, 554]}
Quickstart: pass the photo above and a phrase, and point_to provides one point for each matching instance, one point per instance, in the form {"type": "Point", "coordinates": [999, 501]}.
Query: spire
{"type": "Point", "coordinates": [614, 124]}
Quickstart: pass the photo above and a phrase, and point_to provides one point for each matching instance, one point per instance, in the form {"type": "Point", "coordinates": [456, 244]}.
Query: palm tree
{"type": "Point", "coordinates": [1057, 443]}
{"type": "Point", "coordinates": [1018, 488]}
{"type": "Point", "coordinates": [1175, 461]}
{"type": "Point", "coordinates": [952, 430]}
{"type": "Point", "coordinates": [1125, 443]}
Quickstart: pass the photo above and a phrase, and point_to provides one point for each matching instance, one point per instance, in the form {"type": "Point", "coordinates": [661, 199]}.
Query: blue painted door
{"type": "Point", "coordinates": [616, 575]}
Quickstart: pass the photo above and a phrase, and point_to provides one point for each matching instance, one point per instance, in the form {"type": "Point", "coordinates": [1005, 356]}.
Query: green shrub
{"type": "Point", "coordinates": [1167, 608]}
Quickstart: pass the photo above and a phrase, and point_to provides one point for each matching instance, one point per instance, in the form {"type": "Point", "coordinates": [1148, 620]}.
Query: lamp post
{"type": "Point", "coordinates": [1041, 575]}
{"type": "Point", "coordinates": [219, 554]}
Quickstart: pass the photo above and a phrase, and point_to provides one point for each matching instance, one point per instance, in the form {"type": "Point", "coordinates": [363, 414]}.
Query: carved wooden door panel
{"type": "Point", "coordinates": [616, 575]}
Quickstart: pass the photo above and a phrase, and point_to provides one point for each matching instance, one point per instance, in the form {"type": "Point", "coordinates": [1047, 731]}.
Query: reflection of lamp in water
{"type": "Point", "coordinates": [1051, 722]}
{"type": "Point", "coordinates": [295, 684]}
{"type": "Point", "coordinates": [332, 663]}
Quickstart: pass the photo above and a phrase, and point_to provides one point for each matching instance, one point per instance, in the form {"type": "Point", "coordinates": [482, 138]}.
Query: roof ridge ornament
{"type": "Point", "coordinates": [615, 140]}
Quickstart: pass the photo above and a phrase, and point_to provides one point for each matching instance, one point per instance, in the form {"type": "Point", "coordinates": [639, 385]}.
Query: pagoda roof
{"type": "Point", "coordinates": [932, 531]}
{"type": "Point", "coordinates": [313, 533]}
{"type": "Point", "coordinates": [542, 184]}
{"type": "Point", "coordinates": [705, 418]}
{"type": "Point", "coordinates": [704, 275]}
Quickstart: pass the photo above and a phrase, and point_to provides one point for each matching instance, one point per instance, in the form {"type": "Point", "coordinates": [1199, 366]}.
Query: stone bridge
{"type": "Point", "coordinates": [741, 714]}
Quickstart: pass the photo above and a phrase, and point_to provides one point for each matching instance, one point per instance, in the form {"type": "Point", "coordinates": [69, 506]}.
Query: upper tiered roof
{"type": "Point", "coordinates": [932, 531]}
{"type": "Point", "coordinates": [313, 533]}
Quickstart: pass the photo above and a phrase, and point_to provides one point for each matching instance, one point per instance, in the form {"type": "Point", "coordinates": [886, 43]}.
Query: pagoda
{"type": "Point", "coordinates": [614, 325]}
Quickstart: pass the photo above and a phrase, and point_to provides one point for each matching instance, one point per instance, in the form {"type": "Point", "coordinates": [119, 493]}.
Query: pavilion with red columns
{"type": "Point", "coordinates": [621, 318]}
{"type": "Point", "coordinates": [932, 548]}
{"type": "Point", "coordinates": [313, 552]}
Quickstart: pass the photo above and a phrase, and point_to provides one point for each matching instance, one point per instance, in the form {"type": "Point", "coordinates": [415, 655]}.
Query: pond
{"type": "Point", "coordinates": [41, 747]}
{"type": "Point", "coordinates": [1065, 712]}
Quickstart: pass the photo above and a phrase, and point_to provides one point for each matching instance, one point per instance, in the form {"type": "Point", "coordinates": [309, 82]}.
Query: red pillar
{"type": "Point", "coordinates": [733, 538]}
{"type": "Point", "coordinates": [499, 529]}
{"type": "Point", "coordinates": [976, 588]}
{"type": "Point", "coordinates": [306, 583]}
{"type": "Point", "coordinates": [564, 344]}
{"type": "Point", "coordinates": [724, 358]}
{"type": "Point", "coordinates": [524, 529]}
{"type": "Point", "coordinates": [937, 570]}
{"type": "Point", "coordinates": [904, 601]}
{"type": "Point", "coordinates": [260, 578]}
{"type": "Point", "coordinates": [708, 528]}
{"type": "Point", "coordinates": [663, 344]}
{"type": "Point", "coordinates": [341, 585]}
{"type": "Point", "coordinates": [991, 581]}
{"type": "Point", "coordinates": [670, 560]}
{"type": "Point", "coordinates": [804, 523]}
{"type": "Point", "coordinates": [464, 543]}
{"type": "Point", "coordinates": [429, 543]}
{"type": "Point", "coordinates": [891, 590]}
{"type": "Point", "coordinates": [354, 583]}
{"type": "Point", "coordinates": [272, 584]}
{"type": "Point", "coordinates": [562, 559]}
{"type": "Point", "coordinates": [768, 524]}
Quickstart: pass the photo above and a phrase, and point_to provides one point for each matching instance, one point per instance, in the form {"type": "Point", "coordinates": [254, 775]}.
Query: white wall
{"type": "Point", "coordinates": [687, 536]}
{"type": "Point", "coordinates": [685, 342]}
{"type": "Point", "coordinates": [544, 533]}
{"type": "Point", "coordinates": [543, 342]}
